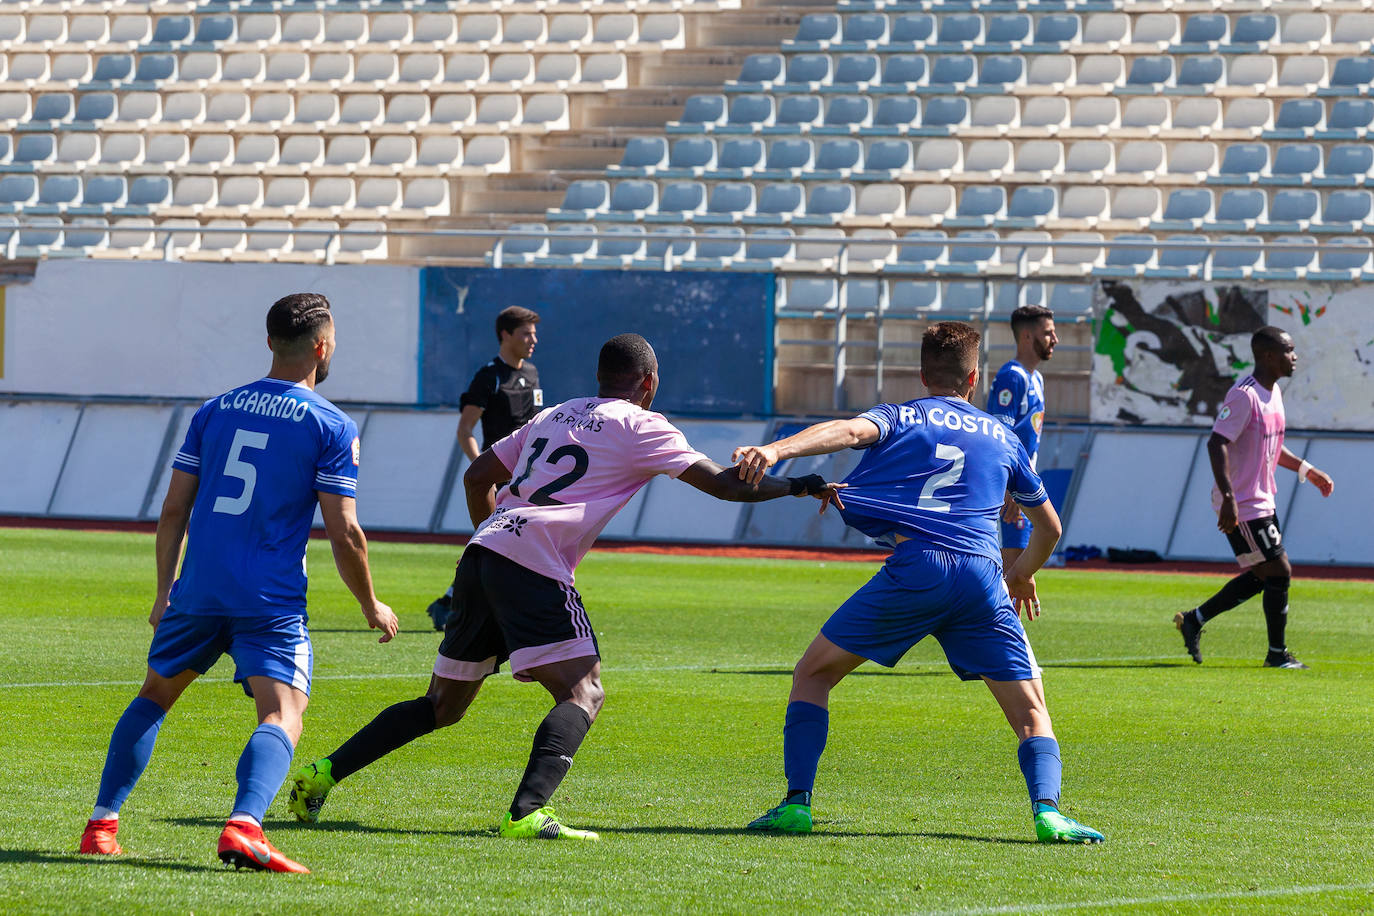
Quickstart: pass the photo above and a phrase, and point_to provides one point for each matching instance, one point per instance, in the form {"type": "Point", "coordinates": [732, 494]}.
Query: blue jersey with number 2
{"type": "Point", "coordinates": [938, 474]}
{"type": "Point", "coordinates": [261, 453]}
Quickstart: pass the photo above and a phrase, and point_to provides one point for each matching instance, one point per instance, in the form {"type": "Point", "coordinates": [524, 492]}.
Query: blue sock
{"type": "Point", "coordinates": [803, 742]}
{"type": "Point", "coordinates": [131, 747]}
{"type": "Point", "coordinates": [1039, 759]}
{"type": "Point", "coordinates": [262, 769]}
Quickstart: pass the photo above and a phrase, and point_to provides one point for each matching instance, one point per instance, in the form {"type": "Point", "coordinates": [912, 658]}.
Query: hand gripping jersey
{"type": "Point", "coordinates": [572, 469]}
{"type": "Point", "coordinates": [261, 453]}
{"type": "Point", "coordinates": [1251, 418]}
{"type": "Point", "coordinates": [1017, 398]}
{"type": "Point", "coordinates": [938, 474]}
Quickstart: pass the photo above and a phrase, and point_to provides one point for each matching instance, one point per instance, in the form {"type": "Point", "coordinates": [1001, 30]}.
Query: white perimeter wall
{"type": "Point", "coordinates": [87, 327]}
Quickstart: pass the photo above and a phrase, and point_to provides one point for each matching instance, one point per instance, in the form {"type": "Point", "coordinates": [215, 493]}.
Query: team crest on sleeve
{"type": "Point", "coordinates": [1004, 397]}
{"type": "Point", "coordinates": [539, 397]}
{"type": "Point", "coordinates": [1038, 420]}
{"type": "Point", "coordinates": [1224, 412]}
{"type": "Point", "coordinates": [357, 449]}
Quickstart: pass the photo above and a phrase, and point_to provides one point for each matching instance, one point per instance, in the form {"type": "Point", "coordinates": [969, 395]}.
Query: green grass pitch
{"type": "Point", "coordinates": [1221, 788]}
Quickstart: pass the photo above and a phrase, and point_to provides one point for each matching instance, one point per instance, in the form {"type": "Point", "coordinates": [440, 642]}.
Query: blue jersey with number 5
{"type": "Point", "coordinates": [937, 474]}
{"type": "Point", "coordinates": [261, 453]}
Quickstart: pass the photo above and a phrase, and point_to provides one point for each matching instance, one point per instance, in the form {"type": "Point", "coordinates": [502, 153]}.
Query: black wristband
{"type": "Point", "coordinates": [811, 485]}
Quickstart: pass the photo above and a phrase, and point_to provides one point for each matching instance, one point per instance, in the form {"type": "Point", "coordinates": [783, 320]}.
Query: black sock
{"type": "Point", "coordinates": [798, 797]}
{"type": "Point", "coordinates": [1276, 610]}
{"type": "Point", "coordinates": [394, 726]}
{"type": "Point", "coordinates": [555, 741]}
{"type": "Point", "coordinates": [1240, 589]}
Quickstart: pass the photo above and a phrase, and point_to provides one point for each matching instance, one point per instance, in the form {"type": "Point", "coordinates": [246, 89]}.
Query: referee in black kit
{"type": "Point", "coordinates": [504, 395]}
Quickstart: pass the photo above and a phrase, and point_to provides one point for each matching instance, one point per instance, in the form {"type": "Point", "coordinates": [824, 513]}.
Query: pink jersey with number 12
{"type": "Point", "coordinates": [573, 467]}
{"type": "Point", "coordinates": [1251, 419]}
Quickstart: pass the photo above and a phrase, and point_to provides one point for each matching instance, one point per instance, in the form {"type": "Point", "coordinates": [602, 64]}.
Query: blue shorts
{"type": "Point", "coordinates": [958, 598]}
{"type": "Point", "coordinates": [277, 646]}
{"type": "Point", "coordinates": [1017, 534]}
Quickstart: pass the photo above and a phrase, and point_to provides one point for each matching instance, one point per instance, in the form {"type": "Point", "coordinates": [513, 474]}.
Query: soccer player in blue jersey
{"type": "Point", "coordinates": [1017, 398]}
{"type": "Point", "coordinates": [245, 483]}
{"type": "Point", "coordinates": [930, 485]}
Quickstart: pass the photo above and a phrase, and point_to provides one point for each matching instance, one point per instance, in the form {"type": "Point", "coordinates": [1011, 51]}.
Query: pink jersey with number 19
{"type": "Point", "coordinates": [1251, 419]}
{"type": "Point", "coordinates": [573, 467]}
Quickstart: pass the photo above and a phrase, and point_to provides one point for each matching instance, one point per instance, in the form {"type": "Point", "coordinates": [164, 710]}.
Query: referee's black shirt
{"type": "Point", "coordinates": [509, 397]}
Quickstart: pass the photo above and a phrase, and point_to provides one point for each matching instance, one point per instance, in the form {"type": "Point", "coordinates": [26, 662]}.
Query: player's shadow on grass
{"type": "Point", "coordinates": [284, 825]}
{"type": "Point", "coordinates": [48, 857]}
{"type": "Point", "coordinates": [1128, 665]}
{"type": "Point", "coordinates": [822, 832]}
{"type": "Point", "coordinates": [860, 672]}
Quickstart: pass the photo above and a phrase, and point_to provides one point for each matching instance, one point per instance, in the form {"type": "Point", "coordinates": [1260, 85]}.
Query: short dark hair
{"type": "Point", "coordinates": [512, 318]}
{"type": "Point", "coordinates": [625, 360]}
{"type": "Point", "coordinates": [297, 319]}
{"type": "Point", "coordinates": [1027, 315]}
{"type": "Point", "coordinates": [1268, 338]}
{"type": "Point", "coordinates": [949, 352]}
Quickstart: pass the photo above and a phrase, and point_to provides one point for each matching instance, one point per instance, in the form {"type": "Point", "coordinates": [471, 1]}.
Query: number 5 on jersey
{"type": "Point", "coordinates": [235, 466]}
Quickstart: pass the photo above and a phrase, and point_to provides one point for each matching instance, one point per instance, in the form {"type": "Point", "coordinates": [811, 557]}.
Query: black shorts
{"type": "Point", "coordinates": [1256, 540]}
{"type": "Point", "coordinates": [501, 610]}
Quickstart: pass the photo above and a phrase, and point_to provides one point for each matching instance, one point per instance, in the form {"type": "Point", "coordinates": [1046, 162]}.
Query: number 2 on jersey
{"type": "Point", "coordinates": [949, 478]}
{"type": "Point", "coordinates": [544, 495]}
{"type": "Point", "coordinates": [235, 466]}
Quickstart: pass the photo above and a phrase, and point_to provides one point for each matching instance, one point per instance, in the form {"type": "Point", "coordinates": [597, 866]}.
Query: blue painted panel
{"type": "Point", "coordinates": [712, 331]}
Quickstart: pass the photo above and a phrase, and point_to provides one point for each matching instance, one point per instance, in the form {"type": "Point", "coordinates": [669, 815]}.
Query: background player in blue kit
{"type": "Point", "coordinates": [1017, 398]}
{"type": "Point", "coordinates": [930, 486]}
{"type": "Point", "coordinates": [255, 462]}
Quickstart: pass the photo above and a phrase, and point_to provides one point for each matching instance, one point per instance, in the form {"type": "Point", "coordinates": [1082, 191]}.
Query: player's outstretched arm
{"type": "Point", "coordinates": [171, 534]}
{"type": "Point", "coordinates": [1221, 473]}
{"type": "Point", "coordinates": [1319, 479]}
{"type": "Point", "coordinates": [480, 481]}
{"type": "Point", "coordinates": [350, 556]}
{"type": "Point", "coordinates": [1021, 575]}
{"type": "Point", "coordinates": [820, 439]}
{"type": "Point", "coordinates": [725, 483]}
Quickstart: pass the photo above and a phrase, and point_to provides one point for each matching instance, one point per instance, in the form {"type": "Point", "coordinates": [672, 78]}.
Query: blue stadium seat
{"type": "Point", "coordinates": [1203, 32]}
{"type": "Point", "coordinates": [619, 250]}
{"type": "Point", "coordinates": [679, 201]}
{"type": "Point", "coordinates": [1058, 30]}
{"type": "Point", "coordinates": [729, 201]}
{"type": "Point", "coordinates": [855, 69]}
{"type": "Point", "coordinates": [1180, 263]}
{"type": "Point", "coordinates": [53, 106]}
{"type": "Point", "coordinates": [760, 71]}
{"type": "Point", "coordinates": [894, 115]}
{"type": "Point", "coordinates": [1001, 70]}
{"type": "Point", "coordinates": [113, 68]}
{"type": "Point", "coordinates": [35, 148]}
{"type": "Point", "coordinates": [808, 70]}
{"type": "Point", "coordinates": [750, 112]}
{"type": "Point", "coordinates": [1240, 210]}
{"type": "Point", "coordinates": [967, 299]}
{"type": "Point", "coordinates": [959, 32]}
{"type": "Point", "coordinates": [172, 30]}
{"type": "Point", "coordinates": [691, 156]}
{"type": "Point", "coordinates": [914, 29]}
{"type": "Point", "coordinates": [664, 246]}
{"type": "Point", "coordinates": [703, 111]}
{"type": "Point", "coordinates": [837, 158]}
{"type": "Point", "coordinates": [908, 70]}
{"type": "Point", "coordinates": [17, 191]}
{"type": "Point", "coordinates": [1350, 119]}
{"type": "Point", "coordinates": [827, 203]}
{"type": "Point", "coordinates": [811, 294]}
{"type": "Point", "coordinates": [1347, 164]}
{"type": "Point", "coordinates": [778, 202]}
{"type": "Point", "coordinates": [156, 68]}
{"type": "Point", "coordinates": [631, 199]}
{"type": "Point", "coordinates": [215, 29]}
{"type": "Point", "coordinates": [943, 113]}
{"type": "Point", "coordinates": [1291, 264]}
{"type": "Point", "coordinates": [1295, 163]}
{"type": "Point", "coordinates": [582, 198]}
{"type": "Point", "coordinates": [763, 247]}
{"type": "Point", "coordinates": [1253, 29]}
{"type": "Point", "coordinates": [979, 205]}
{"type": "Point", "coordinates": [569, 244]}
{"type": "Point", "coordinates": [1298, 118]}
{"type": "Point", "coordinates": [789, 157]}
{"type": "Point", "coordinates": [1346, 207]}
{"type": "Point", "coordinates": [888, 156]}
{"type": "Point", "coordinates": [740, 157]}
{"type": "Point", "coordinates": [816, 32]}
{"type": "Point", "coordinates": [1242, 163]}
{"type": "Point", "coordinates": [721, 244]}
{"type": "Point", "coordinates": [1032, 206]}
{"type": "Point", "coordinates": [950, 71]}
{"type": "Point", "coordinates": [1291, 210]}
{"type": "Point", "coordinates": [795, 113]}
{"type": "Point", "coordinates": [96, 106]}
{"type": "Point", "coordinates": [1201, 72]}
{"type": "Point", "coordinates": [85, 233]}
{"type": "Point", "coordinates": [57, 193]}
{"type": "Point", "coordinates": [643, 155]}
{"type": "Point", "coordinates": [1350, 75]}
{"type": "Point", "coordinates": [104, 192]}
{"type": "Point", "coordinates": [862, 31]}
{"type": "Point", "coordinates": [149, 191]}
{"type": "Point", "coordinates": [978, 249]}
{"type": "Point", "coordinates": [1006, 33]}
{"type": "Point", "coordinates": [909, 297]}
{"type": "Point", "coordinates": [1151, 71]}
{"type": "Point", "coordinates": [1186, 208]}
{"type": "Point", "coordinates": [846, 114]}
{"type": "Point", "coordinates": [920, 258]}
{"type": "Point", "coordinates": [1347, 263]}
{"type": "Point", "coordinates": [1123, 261]}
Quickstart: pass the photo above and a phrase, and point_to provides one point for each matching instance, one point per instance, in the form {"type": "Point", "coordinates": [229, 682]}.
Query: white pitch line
{"type": "Point", "coordinates": [723, 668]}
{"type": "Point", "coordinates": [1113, 902]}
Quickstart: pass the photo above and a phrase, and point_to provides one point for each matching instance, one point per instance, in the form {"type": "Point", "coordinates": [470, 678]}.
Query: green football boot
{"type": "Point", "coordinates": [309, 788]}
{"type": "Point", "coordinates": [784, 818]}
{"type": "Point", "coordinates": [1053, 827]}
{"type": "Point", "coordinates": [542, 825]}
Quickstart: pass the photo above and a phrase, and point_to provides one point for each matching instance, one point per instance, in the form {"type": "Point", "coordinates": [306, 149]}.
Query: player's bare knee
{"type": "Point", "coordinates": [589, 695]}
{"type": "Point", "coordinates": [449, 707]}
